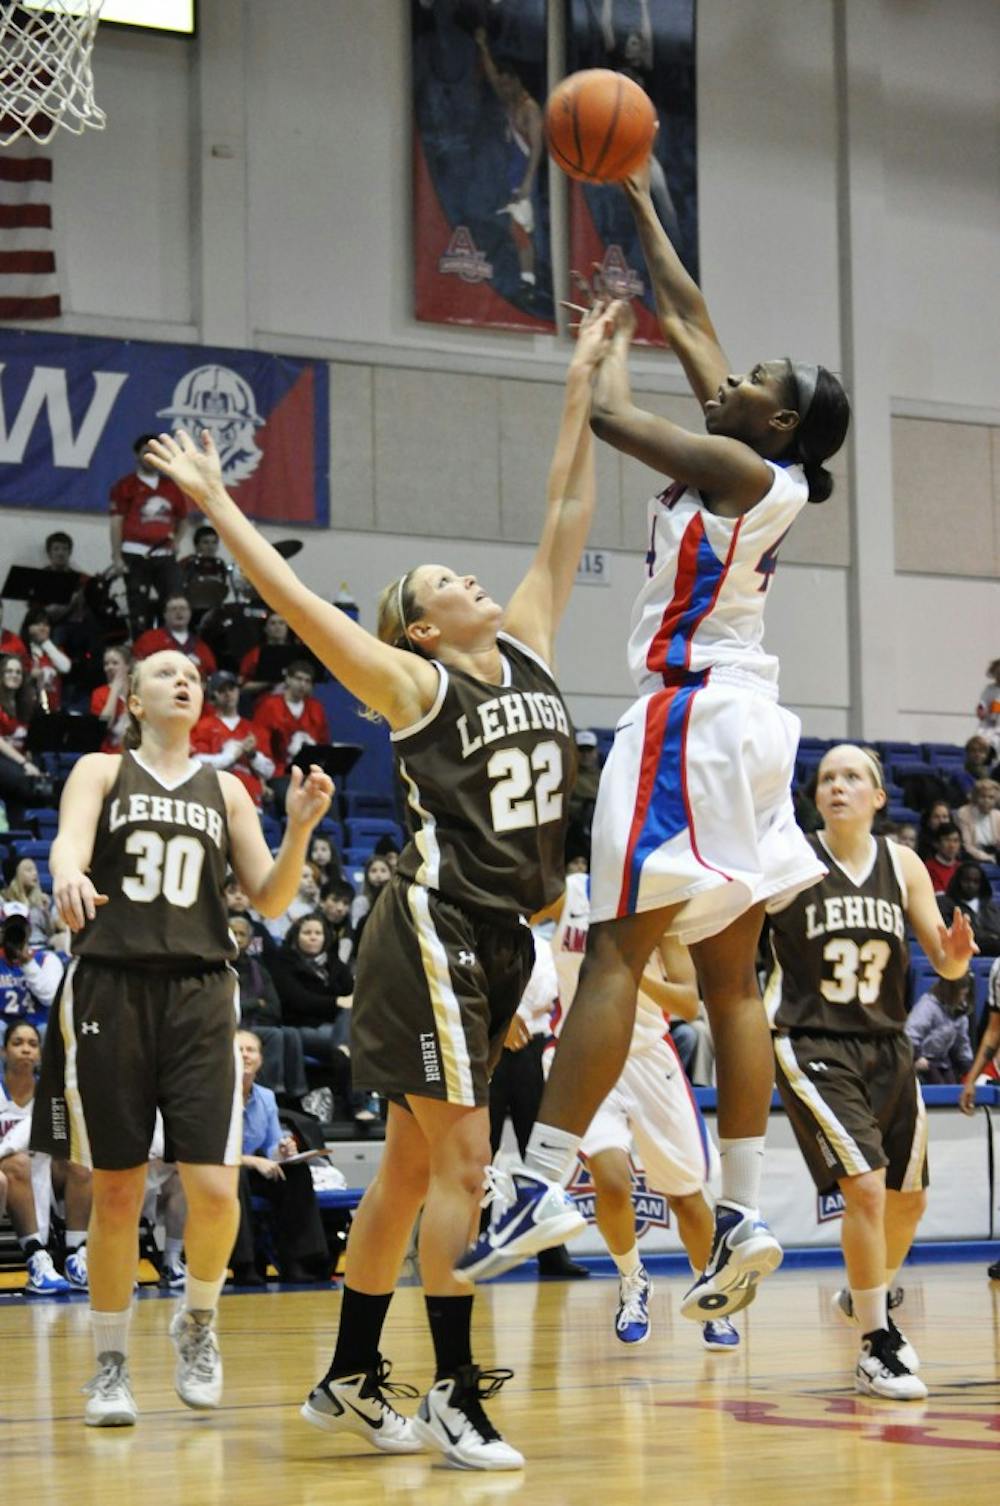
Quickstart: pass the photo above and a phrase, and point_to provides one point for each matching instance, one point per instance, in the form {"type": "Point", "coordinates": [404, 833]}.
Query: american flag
{"type": "Point", "coordinates": [29, 288]}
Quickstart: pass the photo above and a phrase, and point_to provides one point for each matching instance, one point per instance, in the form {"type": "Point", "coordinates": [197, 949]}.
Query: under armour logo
{"type": "Point", "coordinates": [818, 1067]}
{"type": "Point", "coordinates": [467, 959]}
{"type": "Point", "coordinates": [90, 1027]}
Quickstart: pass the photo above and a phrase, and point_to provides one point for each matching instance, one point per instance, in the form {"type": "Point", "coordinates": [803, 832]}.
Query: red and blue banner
{"type": "Point", "coordinates": [482, 252]}
{"type": "Point", "coordinates": [653, 43]}
{"type": "Point", "coordinates": [71, 408]}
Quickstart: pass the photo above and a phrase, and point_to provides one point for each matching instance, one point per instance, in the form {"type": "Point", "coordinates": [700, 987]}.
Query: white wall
{"type": "Point", "coordinates": [286, 129]}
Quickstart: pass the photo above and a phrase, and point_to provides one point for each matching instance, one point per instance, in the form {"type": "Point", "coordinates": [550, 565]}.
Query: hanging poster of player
{"type": "Point", "coordinates": [653, 42]}
{"type": "Point", "coordinates": [481, 244]}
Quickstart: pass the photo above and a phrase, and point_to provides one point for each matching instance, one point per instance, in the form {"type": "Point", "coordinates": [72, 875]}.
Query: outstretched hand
{"type": "Point", "coordinates": [308, 798]}
{"type": "Point", "coordinates": [958, 942]}
{"type": "Point", "coordinates": [198, 472]}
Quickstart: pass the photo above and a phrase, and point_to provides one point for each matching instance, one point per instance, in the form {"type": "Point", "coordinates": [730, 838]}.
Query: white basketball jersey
{"type": "Point", "coordinates": [706, 583]}
{"type": "Point", "coordinates": [15, 1124]}
{"type": "Point", "coordinates": [569, 942]}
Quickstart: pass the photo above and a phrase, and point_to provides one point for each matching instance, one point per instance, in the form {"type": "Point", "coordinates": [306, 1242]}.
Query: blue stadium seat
{"type": "Point", "coordinates": [943, 752]}
{"type": "Point", "coordinates": [332, 828]}
{"type": "Point", "coordinates": [902, 813]}
{"type": "Point", "coordinates": [981, 967]}
{"type": "Point", "coordinates": [34, 849]}
{"type": "Point", "coordinates": [365, 832]}
{"type": "Point", "coordinates": [377, 803]}
{"type": "Point", "coordinates": [891, 751]}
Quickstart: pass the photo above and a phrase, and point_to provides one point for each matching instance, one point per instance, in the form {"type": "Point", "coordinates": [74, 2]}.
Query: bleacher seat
{"type": "Point", "coordinates": [332, 828]}
{"type": "Point", "coordinates": [365, 832]}
{"type": "Point", "coordinates": [272, 829]}
{"type": "Point", "coordinates": [909, 768]}
{"type": "Point", "coordinates": [34, 849]}
{"type": "Point", "coordinates": [943, 752]}
{"type": "Point", "coordinates": [358, 803]}
{"type": "Point", "coordinates": [900, 813]}
{"type": "Point", "coordinates": [890, 751]}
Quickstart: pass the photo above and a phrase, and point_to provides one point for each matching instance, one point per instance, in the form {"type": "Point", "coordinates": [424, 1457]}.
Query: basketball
{"type": "Point", "coordinates": [600, 125]}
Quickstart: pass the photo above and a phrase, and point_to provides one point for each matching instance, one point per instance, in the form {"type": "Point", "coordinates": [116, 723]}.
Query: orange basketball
{"type": "Point", "coordinates": [600, 125]}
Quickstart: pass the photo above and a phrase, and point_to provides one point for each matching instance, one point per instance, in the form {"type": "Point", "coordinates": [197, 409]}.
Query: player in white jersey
{"type": "Point", "coordinates": [652, 1109]}
{"type": "Point", "coordinates": [694, 828]}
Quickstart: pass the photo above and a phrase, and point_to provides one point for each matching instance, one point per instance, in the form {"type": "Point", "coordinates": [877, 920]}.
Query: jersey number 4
{"type": "Point", "coordinates": [528, 790]}
{"type": "Point", "coordinates": [171, 868]}
{"type": "Point", "coordinates": [857, 970]}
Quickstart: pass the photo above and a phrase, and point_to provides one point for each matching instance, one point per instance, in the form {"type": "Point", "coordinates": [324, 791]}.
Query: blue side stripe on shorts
{"type": "Point", "coordinates": [667, 814]}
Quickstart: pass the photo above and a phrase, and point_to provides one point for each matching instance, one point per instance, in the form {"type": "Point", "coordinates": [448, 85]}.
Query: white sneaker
{"type": "Point", "coordinates": [451, 1418]}
{"type": "Point", "coordinates": [75, 1269]}
{"type": "Point", "coordinates": [43, 1278]}
{"type": "Point", "coordinates": [881, 1372]}
{"type": "Point", "coordinates": [110, 1403]}
{"type": "Point", "coordinates": [743, 1251]}
{"type": "Point", "coordinates": [529, 1213]}
{"type": "Point", "coordinates": [357, 1404]}
{"type": "Point", "coordinates": [632, 1318]}
{"type": "Point", "coordinates": [198, 1377]}
{"type": "Point", "coordinates": [843, 1307]}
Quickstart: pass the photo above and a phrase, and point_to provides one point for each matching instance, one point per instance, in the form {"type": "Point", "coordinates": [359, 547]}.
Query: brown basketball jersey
{"type": "Point", "coordinates": [161, 856]}
{"type": "Point", "coordinates": [487, 775]}
{"type": "Point", "coordinates": [840, 952]}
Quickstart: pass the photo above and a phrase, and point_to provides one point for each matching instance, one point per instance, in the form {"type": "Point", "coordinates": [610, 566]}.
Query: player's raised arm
{"type": "Point", "coordinates": [536, 607]}
{"type": "Point", "coordinates": [400, 686]}
{"type": "Point", "coordinates": [269, 883]}
{"type": "Point", "coordinates": [680, 303]}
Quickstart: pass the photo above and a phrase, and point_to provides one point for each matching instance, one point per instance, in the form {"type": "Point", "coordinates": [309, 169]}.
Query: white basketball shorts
{"type": "Point", "coordinates": [695, 807]}
{"type": "Point", "coordinates": [652, 1108]}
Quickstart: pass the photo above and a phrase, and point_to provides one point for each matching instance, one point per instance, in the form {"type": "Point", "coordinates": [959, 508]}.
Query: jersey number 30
{"type": "Point", "coordinates": [857, 970]}
{"type": "Point", "coordinates": [528, 791]}
{"type": "Point", "coordinates": [172, 869]}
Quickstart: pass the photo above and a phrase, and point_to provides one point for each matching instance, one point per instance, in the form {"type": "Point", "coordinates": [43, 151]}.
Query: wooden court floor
{"type": "Point", "coordinates": [778, 1423]}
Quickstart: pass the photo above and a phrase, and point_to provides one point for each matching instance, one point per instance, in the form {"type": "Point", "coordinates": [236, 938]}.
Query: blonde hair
{"type": "Point", "coordinates": [870, 757]}
{"type": "Point", "coordinates": [133, 732]}
{"type": "Point", "coordinates": [17, 891]}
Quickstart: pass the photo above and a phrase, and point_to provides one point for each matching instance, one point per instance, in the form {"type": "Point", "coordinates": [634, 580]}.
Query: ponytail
{"type": "Point", "coordinates": [825, 418]}
{"type": "Point", "coordinates": [132, 737]}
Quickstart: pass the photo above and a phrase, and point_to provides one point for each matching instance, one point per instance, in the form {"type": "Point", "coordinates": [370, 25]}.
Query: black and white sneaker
{"type": "Point", "coordinates": [881, 1372]}
{"type": "Point", "coordinates": [843, 1307]}
{"type": "Point", "coordinates": [451, 1418]}
{"type": "Point", "coordinates": [357, 1404]}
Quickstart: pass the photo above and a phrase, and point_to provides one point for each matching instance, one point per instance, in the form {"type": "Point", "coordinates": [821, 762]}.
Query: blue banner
{"type": "Point", "coordinates": [71, 408]}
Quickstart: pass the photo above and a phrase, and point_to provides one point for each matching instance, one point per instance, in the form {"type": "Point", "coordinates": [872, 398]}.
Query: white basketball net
{"type": "Point", "coordinates": [45, 75]}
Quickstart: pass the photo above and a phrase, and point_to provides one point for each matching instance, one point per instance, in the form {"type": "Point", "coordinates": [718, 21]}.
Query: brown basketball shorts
{"type": "Point", "coordinates": [855, 1105]}
{"type": "Point", "coordinates": [435, 991]}
{"type": "Point", "coordinates": [124, 1042]}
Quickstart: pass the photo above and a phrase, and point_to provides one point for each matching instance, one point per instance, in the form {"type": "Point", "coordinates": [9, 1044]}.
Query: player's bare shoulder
{"type": "Point", "coordinates": [96, 772]}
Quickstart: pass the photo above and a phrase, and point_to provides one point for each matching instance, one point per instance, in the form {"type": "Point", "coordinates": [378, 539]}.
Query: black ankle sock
{"type": "Point", "coordinates": [361, 1320]}
{"type": "Point", "coordinates": [32, 1247]}
{"type": "Point", "coordinates": [451, 1324]}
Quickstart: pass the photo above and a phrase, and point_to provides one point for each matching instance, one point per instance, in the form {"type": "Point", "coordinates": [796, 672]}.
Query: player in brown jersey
{"type": "Point", "coordinates": [148, 1008]}
{"type": "Point", "coordinates": [486, 757]}
{"type": "Point", "coordinates": [837, 1000]}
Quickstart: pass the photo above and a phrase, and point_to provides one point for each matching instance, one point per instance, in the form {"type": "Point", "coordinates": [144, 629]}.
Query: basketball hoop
{"type": "Point", "coordinates": [45, 74]}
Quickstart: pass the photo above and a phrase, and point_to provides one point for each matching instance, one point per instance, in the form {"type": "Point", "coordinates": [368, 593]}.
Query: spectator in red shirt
{"type": "Point", "coordinates": [10, 643]}
{"type": "Point", "coordinates": [292, 718]}
{"type": "Point", "coordinates": [47, 664]}
{"type": "Point", "coordinates": [943, 864]}
{"type": "Point", "coordinates": [147, 518]}
{"type": "Point", "coordinates": [21, 781]}
{"type": "Point", "coordinates": [176, 633]}
{"type": "Point", "coordinates": [110, 701]}
{"type": "Point", "coordinates": [225, 740]}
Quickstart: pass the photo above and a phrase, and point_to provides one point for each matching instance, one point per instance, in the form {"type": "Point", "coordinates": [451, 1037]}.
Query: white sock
{"type": "Point", "coordinates": [742, 1164]}
{"type": "Point", "coordinates": [172, 1250]}
{"type": "Point", "coordinates": [628, 1263]}
{"type": "Point", "coordinates": [75, 1238]}
{"type": "Point", "coordinates": [551, 1152]}
{"type": "Point", "coordinates": [202, 1296]}
{"type": "Point", "coordinates": [529, 278]}
{"type": "Point", "coordinates": [110, 1331]}
{"type": "Point", "coordinates": [870, 1309]}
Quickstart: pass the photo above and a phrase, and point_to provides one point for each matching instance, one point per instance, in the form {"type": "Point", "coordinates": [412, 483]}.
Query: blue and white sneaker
{"type": "Point", "coordinates": [43, 1278]}
{"type": "Point", "coordinates": [720, 1336]}
{"type": "Point", "coordinates": [75, 1269]}
{"type": "Point", "coordinates": [632, 1320]}
{"type": "Point", "coordinates": [530, 1213]}
{"type": "Point", "coordinates": [743, 1251]}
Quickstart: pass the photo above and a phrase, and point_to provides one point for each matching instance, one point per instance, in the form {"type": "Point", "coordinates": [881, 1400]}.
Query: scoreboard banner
{"type": "Point", "coordinates": [71, 408]}
{"type": "Point", "coordinates": [653, 42]}
{"type": "Point", "coordinates": [481, 247]}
